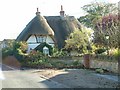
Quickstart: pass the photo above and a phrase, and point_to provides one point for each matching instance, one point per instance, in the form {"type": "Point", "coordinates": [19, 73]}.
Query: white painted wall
{"type": "Point", "coordinates": [32, 39]}
{"type": "Point", "coordinates": [50, 41]}
{"type": "Point", "coordinates": [32, 43]}
{"type": "Point", "coordinates": [32, 46]}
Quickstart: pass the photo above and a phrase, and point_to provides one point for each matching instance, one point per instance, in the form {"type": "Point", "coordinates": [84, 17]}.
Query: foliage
{"type": "Point", "coordinates": [39, 60]}
{"type": "Point", "coordinates": [76, 63]}
{"type": "Point", "coordinates": [100, 51]}
{"type": "Point", "coordinates": [58, 53]}
{"type": "Point", "coordinates": [104, 20]}
{"type": "Point", "coordinates": [46, 63]}
{"type": "Point", "coordinates": [116, 53]}
{"type": "Point", "coordinates": [78, 40]}
{"type": "Point", "coordinates": [108, 26]}
{"type": "Point", "coordinates": [34, 56]}
{"type": "Point", "coordinates": [6, 52]}
{"type": "Point", "coordinates": [36, 59]}
{"type": "Point", "coordinates": [99, 70]}
{"type": "Point", "coordinates": [17, 49]}
{"type": "Point", "coordinates": [95, 11]}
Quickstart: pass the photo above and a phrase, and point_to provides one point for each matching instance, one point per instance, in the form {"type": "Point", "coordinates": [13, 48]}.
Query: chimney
{"type": "Point", "coordinates": [37, 13]}
{"type": "Point", "coordinates": [62, 13]}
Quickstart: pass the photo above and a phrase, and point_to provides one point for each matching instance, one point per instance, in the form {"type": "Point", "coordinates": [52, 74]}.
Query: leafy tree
{"type": "Point", "coordinates": [18, 49]}
{"type": "Point", "coordinates": [95, 11]}
{"type": "Point", "coordinates": [108, 26]}
{"type": "Point", "coordinates": [103, 19]}
{"type": "Point", "coordinates": [78, 40]}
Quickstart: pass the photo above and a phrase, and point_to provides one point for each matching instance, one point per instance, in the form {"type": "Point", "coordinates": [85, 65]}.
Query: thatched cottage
{"type": "Point", "coordinates": [53, 30]}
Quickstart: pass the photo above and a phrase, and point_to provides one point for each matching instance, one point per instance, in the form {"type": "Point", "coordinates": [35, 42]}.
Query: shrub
{"type": "Point", "coordinates": [100, 51]}
{"type": "Point", "coordinates": [76, 63]}
{"type": "Point", "coordinates": [34, 56]}
{"type": "Point", "coordinates": [116, 53]}
{"type": "Point", "coordinates": [17, 49]}
{"type": "Point", "coordinates": [99, 70]}
{"type": "Point", "coordinates": [7, 52]}
{"type": "Point", "coordinates": [58, 53]}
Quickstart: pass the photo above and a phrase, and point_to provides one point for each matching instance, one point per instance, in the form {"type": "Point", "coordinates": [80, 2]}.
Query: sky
{"type": "Point", "coordinates": [16, 14]}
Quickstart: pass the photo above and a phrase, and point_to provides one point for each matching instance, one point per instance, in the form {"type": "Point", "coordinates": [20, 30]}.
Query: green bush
{"type": "Point", "coordinates": [17, 49]}
{"type": "Point", "coordinates": [100, 51]}
{"type": "Point", "coordinates": [58, 53]}
{"type": "Point", "coordinates": [7, 52]}
{"type": "Point", "coordinates": [76, 63]}
{"type": "Point", "coordinates": [116, 53]}
{"type": "Point", "coordinates": [99, 70]}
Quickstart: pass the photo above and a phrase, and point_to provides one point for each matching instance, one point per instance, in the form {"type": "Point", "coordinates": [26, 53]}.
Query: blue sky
{"type": "Point", "coordinates": [15, 14]}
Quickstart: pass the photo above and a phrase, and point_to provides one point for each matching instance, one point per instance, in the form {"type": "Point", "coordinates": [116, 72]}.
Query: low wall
{"type": "Point", "coordinates": [108, 65]}
{"type": "Point", "coordinates": [66, 58]}
{"type": "Point", "coordinates": [94, 63]}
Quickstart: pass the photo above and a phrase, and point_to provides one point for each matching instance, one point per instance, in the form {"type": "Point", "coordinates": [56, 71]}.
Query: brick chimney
{"type": "Point", "coordinates": [37, 13]}
{"type": "Point", "coordinates": [62, 13]}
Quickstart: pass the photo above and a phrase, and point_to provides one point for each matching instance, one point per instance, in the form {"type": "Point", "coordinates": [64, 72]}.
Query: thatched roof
{"type": "Point", "coordinates": [57, 26]}
{"type": "Point", "coordinates": [62, 27]}
{"type": "Point", "coordinates": [37, 26]}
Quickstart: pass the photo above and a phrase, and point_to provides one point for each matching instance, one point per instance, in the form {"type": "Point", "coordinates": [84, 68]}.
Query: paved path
{"type": "Point", "coordinates": [26, 79]}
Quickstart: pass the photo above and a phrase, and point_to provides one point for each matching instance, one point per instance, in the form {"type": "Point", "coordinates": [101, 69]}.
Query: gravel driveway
{"type": "Point", "coordinates": [80, 78]}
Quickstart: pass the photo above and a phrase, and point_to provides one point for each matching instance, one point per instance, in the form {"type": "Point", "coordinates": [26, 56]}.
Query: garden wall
{"type": "Point", "coordinates": [110, 66]}
{"type": "Point", "coordinates": [95, 63]}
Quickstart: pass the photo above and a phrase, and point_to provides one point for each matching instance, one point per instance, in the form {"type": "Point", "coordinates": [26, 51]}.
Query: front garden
{"type": "Point", "coordinates": [59, 59]}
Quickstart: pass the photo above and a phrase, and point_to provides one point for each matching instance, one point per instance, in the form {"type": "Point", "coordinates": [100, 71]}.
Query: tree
{"type": "Point", "coordinates": [108, 26]}
{"type": "Point", "coordinates": [20, 47]}
{"type": "Point", "coordinates": [95, 11]}
{"type": "Point", "coordinates": [78, 40]}
{"type": "Point", "coordinates": [16, 49]}
{"type": "Point", "coordinates": [103, 19]}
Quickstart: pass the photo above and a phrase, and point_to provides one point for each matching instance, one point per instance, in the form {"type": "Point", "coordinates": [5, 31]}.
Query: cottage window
{"type": "Point", "coordinates": [40, 39]}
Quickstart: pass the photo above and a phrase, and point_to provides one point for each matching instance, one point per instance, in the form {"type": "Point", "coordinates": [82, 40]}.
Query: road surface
{"type": "Point", "coordinates": [14, 78]}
